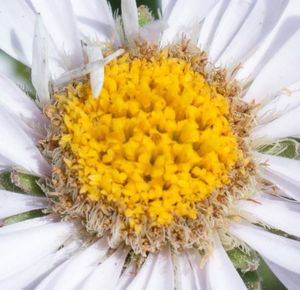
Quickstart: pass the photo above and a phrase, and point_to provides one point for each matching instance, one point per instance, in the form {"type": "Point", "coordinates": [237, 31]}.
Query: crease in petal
{"type": "Point", "coordinates": [198, 273]}
{"type": "Point", "coordinates": [279, 250]}
{"type": "Point", "coordinates": [12, 203]}
{"type": "Point", "coordinates": [126, 277]}
{"type": "Point", "coordinates": [19, 148]}
{"type": "Point", "coordinates": [227, 276]}
{"type": "Point", "coordinates": [21, 249]}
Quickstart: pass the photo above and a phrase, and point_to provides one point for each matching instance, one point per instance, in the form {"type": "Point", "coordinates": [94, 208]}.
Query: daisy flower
{"type": "Point", "coordinates": [154, 154]}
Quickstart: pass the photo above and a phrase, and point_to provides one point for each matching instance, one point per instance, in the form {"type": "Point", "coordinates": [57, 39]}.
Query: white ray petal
{"type": "Point", "coordinates": [40, 75]}
{"type": "Point", "coordinates": [142, 277]}
{"type": "Point", "coordinates": [259, 23]}
{"type": "Point", "coordinates": [283, 65]}
{"type": "Point", "coordinates": [198, 273]}
{"type": "Point", "coordinates": [95, 20]}
{"type": "Point", "coordinates": [219, 262]}
{"type": "Point", "coordinates": [19, 250]}
{"type": "Point", "coordinates": [12, 203]}
{"type": "Point", "coordinates": [290, 189]}
{"type": "Point", "coordinates": [31, 276]}
{"type": "Point", "coordinates": [17, 147]}
{"type": "Point", "coordinates": [280, 105]}
{"type": "Point", "coordinates": [27, 224]}
{"type": "Point", "coordinates": [107, 273]}
{"type": "Point", "coordinates": [73, 272]}
{"type": "Point", "coordinates": [130, 19]}
{"type": "Point", "coordinates": [289, 279]}
{"type": "Point", "coordinates": [234, 16]}
{"type": "Point", "coordinates": [152, 31]}
{"type": "Point", "coordinates": [166, 6]}
{"type": "Point", "coordinates": [183, 16]}
{"type": "Point", "coordinates": [287, 125]}
{"type": "Point", "coordinates": [285, 167]}
{"type": "Point", "coordinates": [210, 24]}
{"type": "Point", "coordinates": [184, 274]}
{"type": "Point", "coordinates": [97, 77]}
{"type": "Point", "coordinates": [59, 19]}
{"type": "Point", "coordinates": [282, 215]}
{"type": "Point", "coordinates": [162, 274]}
{"type": "Point", "coordinates": [279, 250]}
{"type": "Point", "coordinates": [16, 29]}
{"type": "Point", "coordinates": [126, 277]}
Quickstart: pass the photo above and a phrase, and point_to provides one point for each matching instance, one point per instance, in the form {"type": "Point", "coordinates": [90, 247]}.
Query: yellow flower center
{"type": "Point", "coordinates": [156, 142]}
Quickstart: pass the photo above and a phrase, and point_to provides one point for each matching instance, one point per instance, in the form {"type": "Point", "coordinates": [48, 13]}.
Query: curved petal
{"type": "Point", "coordinates": [282, 66]}
{"type": "Point", "coordinates": [289, 279]}
{"type": "Point", "coordinates": [19, 250]}
{"type": "Point", "coordinates": [73, 272]}
{"type": "Point", "coordinates": [219, 262]}
{"type": "Point", "coordinates": [31, 276]}
{"type": "Point", "coordinates": [233, 17]}
{"type": "Point", "coordinates": [17, 147]}
{"type": "Point", "coordinates": [59, 19]}
{"type": "Point", "coordinates": [12, 203]}
{"type": "Point", "coordinates": [259, 23]}
{"type": "Point", "coordinates": [184, 15]}
{"type": "Point", "coordinates": [16, 29]}
{"type": "Point", "coordinates": [287, 125]}
{"type": "Point", "coordinates": [282, 215]}
{"type": "Point", "coordinates": [286, 168]}
{"type": "Point", "coordinates": [130, 19]}
{"type": "Point", "coordinates": [95, 20]}
{"type": "Point", "coordinates": [279, 250]}
{"type": "Point", "coordinates": [107, 273]}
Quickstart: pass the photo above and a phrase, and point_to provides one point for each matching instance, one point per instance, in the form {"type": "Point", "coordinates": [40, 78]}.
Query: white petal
{"type": "Point", "coordinates": [283, 68]}
{"type": "Point", "coordinates": [152, 31]}
{"type": "Point", "coordinates": [20, 249]}
{"type": "Point", "coordinates": [107, 273]}
{"type": "Point", "coordinates": [166, 6]}
{"type": "Point", "coordinates": [12, 203]}
{"type": "Point", "coordinates": [227, 276]}
{"type": "Point", "coordinates": [184, 274]}
{"type": "Point", "coordinates": [289, 279]}
{"type": "Point", "coordinates": [17, 147]}
{"type": "Point", "coordinates": [126, 277]}
{"type": "Point", "coordinates": [285, 167]}
{"type": "Point", "coordinates": [31, 276]}
{"type": "Point", "coordinates": [97, 77]}
{"type": "Point", "coordinates": [16, 29]}
{"type": "Point", "coordinates": [73, 272]}
{"type": "Point", "coordinates": [183, 16]}
{"type": "Point", "coordinates": [259, 23]}
{"type": "Point", "coordinates": [142, 277]}
{"type": "Point", "coordinates": [27, 224]}
{"type": "Point", "coordinates": [40, 63]}
{"type": "Point", "coordinates": [290, 189]}
{"type": "Point", "coordinates": [60, 22]}
{"type": "Point", "coordinates": [14, 101]}
{"type": "Point", "coordinates": [198, 273]}
{"type": "Point", "coordinates": [282, 251]}
{"type": "Point", "coordinates": [287, 125]}
{"type": "Point", "coordinates": [229, 24]}
{"type": "Point", "coordinates": [162, 274]}
{"type": "Point", "coordinates": [281, 104]}
{"type": "Point", "coordinates": [210, 24]}
{"type": "Point", "coordinates": [130, 19]}
{"type": "Point", "coordinates": [95, 19]}
{"type": "Point", "coordinates": [282, 215]}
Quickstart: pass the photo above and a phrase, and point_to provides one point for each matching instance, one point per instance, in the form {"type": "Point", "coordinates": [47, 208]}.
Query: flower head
{"type": "Point", "coordinates": [162, 155]}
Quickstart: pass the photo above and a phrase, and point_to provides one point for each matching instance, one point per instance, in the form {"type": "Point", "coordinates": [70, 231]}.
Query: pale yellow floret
{"type": "Point", "coordinates": [155, 143]}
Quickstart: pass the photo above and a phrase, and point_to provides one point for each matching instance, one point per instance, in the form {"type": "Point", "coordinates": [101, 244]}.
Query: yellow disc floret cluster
{"type": "Point", "coordinates": [154, 144]}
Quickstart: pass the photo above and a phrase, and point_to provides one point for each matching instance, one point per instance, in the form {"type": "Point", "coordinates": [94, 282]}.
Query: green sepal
{"type": "Point", "coordinates": [252, 280]}
{"type": "Point", "coordinates": [288, 148]}
{"type": "Point", "coordinates": [23, 216]}
{"type": "Point", "coordinates": [7, 184]}
{"type": "Point", "coordinates": [28, 183]}
{"type": "Point", "coordinates": [245, 262]}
